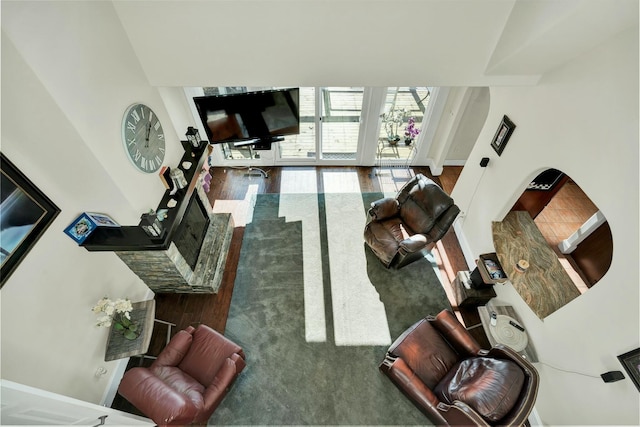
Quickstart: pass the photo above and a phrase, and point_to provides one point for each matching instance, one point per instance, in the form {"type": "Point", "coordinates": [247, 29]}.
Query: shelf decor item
{"type": "Point", "coordinates": [502, 135]}
{"type": "Point", "coordinates": [86, 223]}
{"type": "Point", "coordinates": [193, 136]}
{"type": "Point", "coordinates": [152, 225]}
{"type": "Point", "coordinates": [25, 215]}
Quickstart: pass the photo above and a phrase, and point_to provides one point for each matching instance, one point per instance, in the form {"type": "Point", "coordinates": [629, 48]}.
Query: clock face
{"type": "Point", "coordinates": [143, 138]}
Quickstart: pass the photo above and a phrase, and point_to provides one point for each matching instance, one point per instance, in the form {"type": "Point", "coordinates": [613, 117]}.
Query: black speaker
{"type": "Point", "coordinates": [484, 162]}
{"type": "Point", "coordinates": [612, 376]}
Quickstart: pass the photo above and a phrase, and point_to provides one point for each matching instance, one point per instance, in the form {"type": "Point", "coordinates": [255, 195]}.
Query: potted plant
{"type": "Point", "coordinates": [410, 131]}
{"type": "Point", "coordinates": [118, 313]}
{"type": "Point", "coordinates": [392, 121]}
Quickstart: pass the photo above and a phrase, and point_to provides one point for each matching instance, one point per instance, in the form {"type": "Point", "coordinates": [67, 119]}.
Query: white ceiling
{"type": "Point", "coordinates": [364, 42]}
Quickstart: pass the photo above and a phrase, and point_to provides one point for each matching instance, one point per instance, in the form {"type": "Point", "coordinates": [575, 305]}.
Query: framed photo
{"type": "Point", "coordinates": [102, 220]}
{"type": "Point", "coordinates": [25, 214]}
{"type": "Point", "coordinates": [84, 225]}
{"type": "Point", "coordinates": [631, 363]}
{"type": "Point", "coordinates": [80, 228]}
{"type": "Point", "coordinates": [502, 135]}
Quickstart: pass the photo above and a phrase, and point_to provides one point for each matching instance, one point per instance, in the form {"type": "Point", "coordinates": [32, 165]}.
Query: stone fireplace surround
{"type": "Point", "coordinates": [159, 263]}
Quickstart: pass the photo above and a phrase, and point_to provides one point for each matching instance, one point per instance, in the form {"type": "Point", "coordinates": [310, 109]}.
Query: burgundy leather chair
{"type": "Point", "coordinates": [445, 373]}
{"type": "Point", "coordinates": [400, 229]}
{"type": "Point", "coordinates": [188, 380]}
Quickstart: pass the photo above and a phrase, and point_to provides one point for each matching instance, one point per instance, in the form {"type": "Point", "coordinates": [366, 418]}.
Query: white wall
{"type": "Point", "coordinates": [68, 73]}
{"type": "Point", "coordinates": [81, 54]}
{"type": "Point", "coordinates": [582, 118]}
{"type": "Point", "coordinates": [474, 118]}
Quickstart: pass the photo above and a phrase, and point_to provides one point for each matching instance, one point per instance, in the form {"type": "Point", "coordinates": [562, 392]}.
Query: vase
{"type": "Point", "coordinates": [408, 141]}
{"type": "Point", "coordinates": [393, 141]}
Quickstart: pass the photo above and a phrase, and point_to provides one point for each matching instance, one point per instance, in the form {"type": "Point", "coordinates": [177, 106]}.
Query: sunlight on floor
{"type": "Point", "coordinates": [340, 182]}
{"type": "Point", "coordinates": [577, 280]}
{"type": "Point", "coordinates": [305, 210]}
{"type": "Point", "coordinates": [240, 210]}
{"type": "Point", "coordinates": [392, 179]}
{"type": "Point", "coordinates": [298, 181]}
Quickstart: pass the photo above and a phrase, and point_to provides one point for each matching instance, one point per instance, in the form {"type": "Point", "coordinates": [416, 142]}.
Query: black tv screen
{"type": "Point", "coordinates": [260, 115]}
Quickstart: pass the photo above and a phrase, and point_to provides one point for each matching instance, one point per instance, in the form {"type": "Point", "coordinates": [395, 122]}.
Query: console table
{"type": "Point", "coordinates": [545, 286]}
{"type": "Point", "coordinates": [143, 313]}
{"type": "Point", "coordinates": [119, 347]}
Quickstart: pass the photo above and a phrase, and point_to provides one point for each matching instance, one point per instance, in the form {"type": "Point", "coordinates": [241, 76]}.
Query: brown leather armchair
{"type": "Point", "coordinates": [188, 380]}
{"type": "Point", "coordinates": [445, 373]}
{"type": "Point", "coordinates": [399, 229]}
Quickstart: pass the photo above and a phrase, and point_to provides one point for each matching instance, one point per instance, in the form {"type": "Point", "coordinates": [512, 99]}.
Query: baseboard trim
{"type": "Point", "coordinates": [114, 382]}
{"type": "Point", "coordinates": [534, 418]}
{"type": "Point", "coordinates": [464, 244]}
{"type": "Point", "coordinates": [455, 162]}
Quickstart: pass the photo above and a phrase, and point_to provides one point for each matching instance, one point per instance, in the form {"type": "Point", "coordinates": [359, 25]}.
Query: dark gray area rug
{"type": "Point", "coordinates": [289, 381]}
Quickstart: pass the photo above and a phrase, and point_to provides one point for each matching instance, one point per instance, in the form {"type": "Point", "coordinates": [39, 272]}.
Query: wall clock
{"type": "Point", "coordinates": [143, 138]}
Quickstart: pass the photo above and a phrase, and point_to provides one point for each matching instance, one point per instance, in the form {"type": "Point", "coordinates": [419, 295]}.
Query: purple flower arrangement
{"type": "Point", "coordinates": [411, 131]}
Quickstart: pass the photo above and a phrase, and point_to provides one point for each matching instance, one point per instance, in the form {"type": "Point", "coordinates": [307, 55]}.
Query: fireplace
{"type": "Point", "coordinates": [195, 259]}
{"type": "Point", "coordinates": [192, 255]}
{"type": "Point", "coordinates": [192, 230]}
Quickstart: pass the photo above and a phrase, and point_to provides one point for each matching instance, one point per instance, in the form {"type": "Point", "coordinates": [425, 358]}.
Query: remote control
{"type": "Point", "coordinates": [494, 318]}
{"type": "Point", "coordinates": [515, 325]}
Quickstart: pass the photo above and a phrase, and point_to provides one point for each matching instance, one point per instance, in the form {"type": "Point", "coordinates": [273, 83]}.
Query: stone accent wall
{"type": "Point", "coordinates": [168, 272]}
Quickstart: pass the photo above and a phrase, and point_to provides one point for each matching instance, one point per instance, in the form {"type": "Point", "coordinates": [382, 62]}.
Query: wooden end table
{"type": "Point", "coordinates": [118, 347]}
{"type": "Point", "coordinates": [469, 297]}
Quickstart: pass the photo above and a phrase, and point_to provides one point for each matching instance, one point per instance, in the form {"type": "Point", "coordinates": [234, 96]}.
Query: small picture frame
{"type": "Point", "coordinates": [502, 135]}
{"type": "Point", "coordinates": [86, 223]}
{"type": "Point", "coordinates": [102, 220]}
{"type": "Point", "coordinates": [631, 363]}
{"type": "Point", "coordinates": [80, 228]}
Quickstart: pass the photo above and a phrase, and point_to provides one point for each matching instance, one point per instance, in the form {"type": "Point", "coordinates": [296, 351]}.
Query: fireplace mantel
{"type": "Point", "coordinates": [159, 263]}
{"type": "Point", "coordinates": [132, 237]}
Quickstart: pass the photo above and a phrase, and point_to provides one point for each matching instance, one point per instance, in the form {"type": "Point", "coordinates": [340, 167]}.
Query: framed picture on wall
{"type": "Point", "coordinates": [631, 363]}
{"type": "Point", "coordinates": [502, 135]}
{"type": "Point", "coordinates": [25, 214]}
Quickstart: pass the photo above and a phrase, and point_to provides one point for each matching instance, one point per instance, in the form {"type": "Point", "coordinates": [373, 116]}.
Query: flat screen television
{"type": "Point", "coordinates": [251, 118]}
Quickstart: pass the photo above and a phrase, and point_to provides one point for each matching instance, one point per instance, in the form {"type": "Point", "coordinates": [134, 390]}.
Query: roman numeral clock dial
{"type": "Point", "coordinates": [143, 138]}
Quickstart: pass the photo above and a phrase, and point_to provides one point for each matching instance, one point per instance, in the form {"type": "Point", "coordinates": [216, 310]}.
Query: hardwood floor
{"type": "Point", "coordinates": [230, 187]}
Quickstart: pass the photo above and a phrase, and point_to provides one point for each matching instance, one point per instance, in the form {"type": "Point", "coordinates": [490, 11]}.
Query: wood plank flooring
{"type": "Point", "coordinates": [230, 185]}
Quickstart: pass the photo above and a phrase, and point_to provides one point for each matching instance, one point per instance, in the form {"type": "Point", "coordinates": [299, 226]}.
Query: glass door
{"type": "Point", "coordinates": [304, 145]}
{"type": "Point", "coordinates": [329, 125]}
{"type": "Point", "coordinates": [341, 108]}
{"type": "Point", "coordinates": [401, 125]}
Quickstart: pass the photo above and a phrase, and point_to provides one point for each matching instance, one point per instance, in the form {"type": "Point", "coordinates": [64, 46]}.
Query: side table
{"type": "Point", "coordinates": [469, 297]}
{"type": "Point", "coordinates": [143, 313]}
{"type": "Point", "coordinates": [529, 352]}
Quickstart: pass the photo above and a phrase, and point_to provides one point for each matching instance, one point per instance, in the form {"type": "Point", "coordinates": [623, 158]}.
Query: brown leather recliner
{"type": "Point", "coordinates": [188, 380]}
{"type": "Point", "coordinates": [400, 228]}
{"type": "Point", "coordinates": [445, 373]}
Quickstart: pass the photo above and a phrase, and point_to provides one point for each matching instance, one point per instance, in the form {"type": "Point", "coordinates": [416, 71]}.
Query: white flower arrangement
{"type": "Point", "coordinates": [118, 313]}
